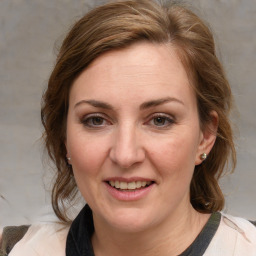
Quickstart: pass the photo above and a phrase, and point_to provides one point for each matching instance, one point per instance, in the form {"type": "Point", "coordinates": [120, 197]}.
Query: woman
{"type": "Point", "coordinates": [136, 119]}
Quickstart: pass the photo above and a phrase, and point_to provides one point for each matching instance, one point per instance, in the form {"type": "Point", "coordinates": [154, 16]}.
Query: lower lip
{"type": "Point", "coordinates": [132, 195]}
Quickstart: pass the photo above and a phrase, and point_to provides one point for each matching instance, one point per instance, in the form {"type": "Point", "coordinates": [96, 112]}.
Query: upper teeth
{"type": "Point", "coordinates": [129, 185]}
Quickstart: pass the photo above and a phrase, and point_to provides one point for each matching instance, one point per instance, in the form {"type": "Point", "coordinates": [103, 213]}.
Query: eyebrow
{"type": "Point", "coordinates": [157, 102]}
{"type": "Point", "coordinates": [95, 103]}
{"type": "Point", "coordinates": [145, 105]}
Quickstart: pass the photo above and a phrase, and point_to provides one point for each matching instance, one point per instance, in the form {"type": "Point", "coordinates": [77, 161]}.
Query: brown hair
{"type": "Point", "coordinates": [118, 25]}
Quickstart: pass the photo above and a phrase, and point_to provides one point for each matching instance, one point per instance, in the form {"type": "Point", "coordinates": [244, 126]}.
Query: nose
{"type": "Point", "coordinates": [127, 149]}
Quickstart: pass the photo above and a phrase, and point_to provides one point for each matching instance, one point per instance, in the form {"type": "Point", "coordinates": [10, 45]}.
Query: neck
{"type": "Point", "coordinates": [171, 237]}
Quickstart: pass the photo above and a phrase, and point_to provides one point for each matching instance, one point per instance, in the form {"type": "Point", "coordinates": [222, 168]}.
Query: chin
{"type": "Point", "coordinates": [130, 220]}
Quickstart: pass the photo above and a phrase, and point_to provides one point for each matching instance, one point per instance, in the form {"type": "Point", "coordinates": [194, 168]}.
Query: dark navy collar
{"type": "Point", "coordinates": [81, 231]}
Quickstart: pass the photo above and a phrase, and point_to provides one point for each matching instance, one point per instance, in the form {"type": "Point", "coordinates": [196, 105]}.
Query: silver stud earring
{"type": "Point", "coordinates": [203, 156]}
{"type": "Point", "coordinates": [68, 158]}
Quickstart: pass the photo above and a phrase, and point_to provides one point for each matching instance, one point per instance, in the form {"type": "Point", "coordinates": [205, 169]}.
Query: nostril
{"type": "Point", "coordinates": [126, 154]}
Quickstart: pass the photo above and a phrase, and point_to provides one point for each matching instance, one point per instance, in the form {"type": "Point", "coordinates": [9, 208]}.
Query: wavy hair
{"type": "Point", "coordinates": [118, 25]}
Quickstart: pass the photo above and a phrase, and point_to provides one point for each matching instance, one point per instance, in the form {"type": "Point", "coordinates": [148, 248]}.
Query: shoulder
{"type": "Point", "coordinates": [10, 235]}
{"type": "Point", "coordinates": [42, 239]}
{"type": "Point", "coordinates": [242, 224]}
{"type": "Point", "coordinates": [235, 236]}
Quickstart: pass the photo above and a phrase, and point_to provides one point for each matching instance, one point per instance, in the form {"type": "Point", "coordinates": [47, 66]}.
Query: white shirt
{"type": "Point", "coordinates": [234, 237]}
{"type": "Point", "coordinates": [42, 240]}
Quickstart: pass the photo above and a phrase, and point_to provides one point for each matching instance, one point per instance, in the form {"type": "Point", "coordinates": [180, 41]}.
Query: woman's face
{"type": "Point", "coordinates": [133, 136]}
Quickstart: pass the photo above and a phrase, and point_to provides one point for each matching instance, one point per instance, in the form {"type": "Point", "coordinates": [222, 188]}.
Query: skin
{"type": "Point", "coordinates": [128, 137]}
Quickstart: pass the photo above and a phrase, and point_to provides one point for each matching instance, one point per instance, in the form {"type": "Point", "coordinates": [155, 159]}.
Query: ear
{"type": "Point", "coordinates": [65, 142]}
{"type": "Point", "coordinates": [208, 137]}
{"type": "Point", "coordinates": [67, 154]}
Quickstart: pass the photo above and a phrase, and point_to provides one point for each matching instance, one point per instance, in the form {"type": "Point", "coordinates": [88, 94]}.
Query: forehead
{"type": "Point", "coordinates": [143, 68]}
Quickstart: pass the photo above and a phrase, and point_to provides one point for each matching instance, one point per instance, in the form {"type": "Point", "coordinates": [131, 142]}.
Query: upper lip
{"type": "Point", "coordinates": [131, 179]}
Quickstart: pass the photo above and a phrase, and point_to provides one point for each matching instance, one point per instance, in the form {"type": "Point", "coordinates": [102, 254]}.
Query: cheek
{"type": "Point", "coordinates": [175, 156]}
{"type": "Point", "coordinates": [87, 153]}
{"type": "Point", "coordinates": [87, 159]}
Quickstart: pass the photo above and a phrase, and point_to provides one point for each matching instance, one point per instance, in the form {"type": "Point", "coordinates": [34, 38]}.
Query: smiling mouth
{"type": "Point", "coordinates": [129, 186]}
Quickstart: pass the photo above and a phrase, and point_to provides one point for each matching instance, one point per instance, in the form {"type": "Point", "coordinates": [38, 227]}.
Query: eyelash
{"type": "Point", "coordinates": [164, 117]}
{"type": "Point", "coordinates": [87, 121]}
{"type": "Point", "coordinates": [90, 118]}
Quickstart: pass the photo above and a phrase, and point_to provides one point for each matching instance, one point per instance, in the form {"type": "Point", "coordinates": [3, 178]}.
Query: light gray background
{"type": "Point", "coordinates": [29, 30]}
